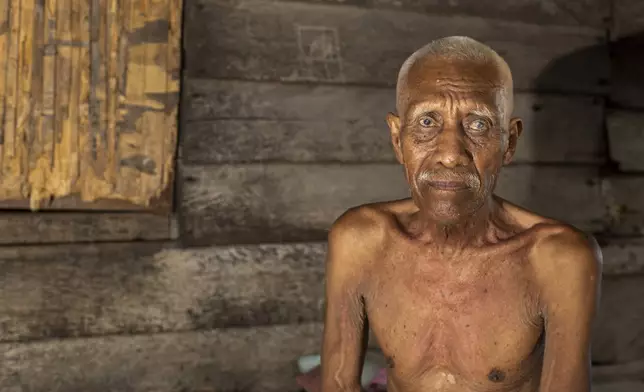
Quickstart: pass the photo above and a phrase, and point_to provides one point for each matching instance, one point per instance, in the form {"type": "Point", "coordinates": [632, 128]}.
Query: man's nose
{"type": "Point", "coordinates": [451, 150]}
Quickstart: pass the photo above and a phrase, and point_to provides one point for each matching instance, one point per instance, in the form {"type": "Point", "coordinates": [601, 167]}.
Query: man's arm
{"type": "Point", "coordinates": [568, 271]}
{"type": "Point", "coordinates": [345, 321]}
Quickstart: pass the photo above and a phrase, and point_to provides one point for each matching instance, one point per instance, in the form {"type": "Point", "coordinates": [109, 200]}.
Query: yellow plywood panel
{"type": "Point", "coordinates": [89, 101]}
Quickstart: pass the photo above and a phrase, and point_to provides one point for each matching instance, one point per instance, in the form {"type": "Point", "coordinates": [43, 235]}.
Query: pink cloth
{"type": "Point", "coordinates": [311, 381]}
{"type": "Point", "coordinates": [380, 378]}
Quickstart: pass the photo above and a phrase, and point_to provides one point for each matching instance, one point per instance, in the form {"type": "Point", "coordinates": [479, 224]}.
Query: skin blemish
{"type": "Point", "coordinates": [496, 375]}
{"type": "Point", "coordinates": [451, 379]}
{"type": "Point", "coordinates": [390, 362]}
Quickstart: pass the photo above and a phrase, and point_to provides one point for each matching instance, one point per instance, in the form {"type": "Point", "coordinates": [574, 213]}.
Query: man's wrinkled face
{"type": "Point", "coordinates": [453, 134]}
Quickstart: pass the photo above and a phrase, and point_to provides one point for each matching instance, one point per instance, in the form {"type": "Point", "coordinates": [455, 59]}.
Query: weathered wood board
{"type": "Point", "coordinates": [226, 204]}
{"type": "Point", "coordinates": [622, 255]}
{"type": "Point", "coordinates": [250, 359]}
{"type": "Point", "coordinates": [618, 334]}
{"type": "Point", "coordinates": [234, 121]}
{"type": "Point", "coordinates": [132, 288]}
{"type": "Point", "coordinates": [295, 42]}
{"type": "Point", "coordinates": [627, 45]}
{"type": "Point", "coordinates": [627, 78]}
{"type": "Point", "coordinates": [624, 199]}
{"type": "Point", "coordinates": [49, 228]}
{"type": "Point", "coordinates": [575, 13]}
{"type": "Point", "coordinates": [88, 100]}
{"type": "Point", "coordinates": [232, 360]}
{"type": "Point", "coordinates": [628, 18]}
{"type": "Point", "coordinates": [107, 289]}
{"type": "Point", "coordinates": [626, 139]}
{"type": "Point", "coordinates": [619, 386]}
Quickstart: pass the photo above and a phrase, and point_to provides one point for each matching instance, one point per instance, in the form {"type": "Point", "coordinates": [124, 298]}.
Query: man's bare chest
{"type": "Point", "coordinates": [477, 317]}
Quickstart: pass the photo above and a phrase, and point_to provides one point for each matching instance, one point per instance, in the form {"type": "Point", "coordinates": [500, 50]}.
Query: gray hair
{"type": "Point", "coordinates": [457, 48]}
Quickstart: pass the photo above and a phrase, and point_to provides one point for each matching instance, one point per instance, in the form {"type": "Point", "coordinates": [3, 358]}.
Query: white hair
{"type": "Point", "coordinates": [456, 48]}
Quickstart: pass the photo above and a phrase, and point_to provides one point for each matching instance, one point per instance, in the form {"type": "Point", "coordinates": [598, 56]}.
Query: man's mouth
{"type": "Point", "coordinates": [448, 185]}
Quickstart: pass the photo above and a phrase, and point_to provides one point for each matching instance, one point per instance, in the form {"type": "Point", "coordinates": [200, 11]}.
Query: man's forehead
{"type": "Point", "coordinates": [485, 99]}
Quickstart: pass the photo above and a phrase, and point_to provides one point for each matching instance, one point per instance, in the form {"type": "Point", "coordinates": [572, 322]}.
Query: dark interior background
{"type": "Point", "coordinates": [281, 129]}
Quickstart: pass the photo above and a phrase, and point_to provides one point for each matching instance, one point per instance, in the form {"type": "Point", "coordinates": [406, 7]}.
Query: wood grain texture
{"type": "Point", "coordinates": [47, 228]}
{"type": "Point", "coordinates": [89, 98]}
{"type": "Point", "coordinates": [579, 13]}
{"type": "Point", "coordinates": [628, 19]}
{"type": "Point", "coordinates": [255, 359]}
{"type": "Point", "coordinates": [88, 290]}
{"type": "Point", "coordinates": [627, 45]}
{"type": "Point", "coordinates": [626, 139]}
{"type": "Point", "coordinates": [119, 289]}
{"type": "Point", "coordinates": [618, 335]}
{"type": "Point", "coordinates": [240, 122]}
{"type": "Point", "coordinates": [280, 202]}
{"type": "Point", "coordinates": [624, 199]}
{"type": "Point", "coordinates": [619, 386]}
{"type": "Point", "coordinates": [241, 360]}
{"type": "Point", "coordinates": [627, 80]}
{"type": "Point", "coordinates": [294, 42]}
{"type": "Point", "coordinates": [623, 256]}
{"type": "Point", "coordinates": [5, 33]}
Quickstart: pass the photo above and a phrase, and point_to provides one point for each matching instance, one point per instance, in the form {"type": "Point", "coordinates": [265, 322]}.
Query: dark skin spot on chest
{"type": "Point", "coordinates": [496, 375]}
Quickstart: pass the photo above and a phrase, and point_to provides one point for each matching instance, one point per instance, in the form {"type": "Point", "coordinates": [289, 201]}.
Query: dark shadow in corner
{"type": "Point", "coordinates": [583, 75]}
{"type": "Point", "coordinates": [622, 87]}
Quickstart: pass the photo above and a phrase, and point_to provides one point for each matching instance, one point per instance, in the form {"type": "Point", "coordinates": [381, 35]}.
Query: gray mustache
{"type": "Point", "coordinates": [467, 178]}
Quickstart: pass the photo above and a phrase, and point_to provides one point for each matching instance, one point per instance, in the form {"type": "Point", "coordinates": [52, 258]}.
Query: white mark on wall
{"type": "Point", "coordinates": [319, 54]}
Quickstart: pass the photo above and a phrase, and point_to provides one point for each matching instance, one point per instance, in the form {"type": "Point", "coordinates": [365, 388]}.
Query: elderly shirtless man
{"type": "Point", "coordinates": [464, 291]}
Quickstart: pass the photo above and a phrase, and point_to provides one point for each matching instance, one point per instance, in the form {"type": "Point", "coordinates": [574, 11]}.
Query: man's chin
{"type": "Point", "coordinates": [449, 210]}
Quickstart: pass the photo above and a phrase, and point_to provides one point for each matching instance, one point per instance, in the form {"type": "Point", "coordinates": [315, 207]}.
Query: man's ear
{"type": "Point", "coordinates": [394, 128]}
{"type": "Point", "coordinates": [514, 132]}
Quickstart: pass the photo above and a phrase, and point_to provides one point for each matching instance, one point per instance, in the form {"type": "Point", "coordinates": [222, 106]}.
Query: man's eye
{"type": "Point", "coordinates": [426, 121]}
{"type": "Point", "coordinates": [478, 125]}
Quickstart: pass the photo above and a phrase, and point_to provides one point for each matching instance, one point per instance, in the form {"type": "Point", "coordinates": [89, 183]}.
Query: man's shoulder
{"type": "Point", "coordinates": [363, 230]}
{"type": "Point", "coordinates": [369, 222]}
{"type": "Point", "coordinates": [563, 253]}
{"type": "Point", "coordinates": [551, 237]}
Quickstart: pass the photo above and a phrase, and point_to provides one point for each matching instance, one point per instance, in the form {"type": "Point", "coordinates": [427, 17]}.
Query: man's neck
{"type": "Point", "coordinates": [471, 230]}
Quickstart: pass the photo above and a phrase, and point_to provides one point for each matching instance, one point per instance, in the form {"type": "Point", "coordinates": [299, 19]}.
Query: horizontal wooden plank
{"type": "Point", "coordinates": [579, 13]}
{"type": "Point", "coordinates": [628, 19]}
{"type": "Point", "coordinates": [619, 386]}
{"type": "Point", "coordinates": [233, 121]}
{"type": "Point", "coordinates": [626, 139]}
{"type": "Point", "coordinates": [627, 78]}
{"type": "Point", "coordinates": [624, 199]}
{"type": "Point", "coordinates": [622, 256]}
{"type": "Point", "coordinates": [53, 227]}
{"type": "Point", "coordinates": [618, 334]}
{"type": "Point", "coordinates": [281, 202]}
{"type": "Point", "coordinates": [295, 42]}
{"type": "Point", "coordinates": [92, 290]}
{"type": "Point", "coordinates": [629, 371]}
{"type": "Point", "coordinates": [239, 360]}
{"type": "Point", "coordinates": [83, 290]}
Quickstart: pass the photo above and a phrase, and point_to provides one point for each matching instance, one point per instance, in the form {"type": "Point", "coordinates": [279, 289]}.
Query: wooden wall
{"type": "Point", "coordinates": [283, 129]}
{"type": "Point", "coordinates": [88, 103]}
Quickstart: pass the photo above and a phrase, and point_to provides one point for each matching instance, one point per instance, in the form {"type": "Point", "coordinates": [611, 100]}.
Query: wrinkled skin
{"type": "Point", "coordinates": [464, 291]}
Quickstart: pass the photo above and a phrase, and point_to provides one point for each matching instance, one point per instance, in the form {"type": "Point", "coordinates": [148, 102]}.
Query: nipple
{"type": "Point", "coordinates": [496, 375]}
